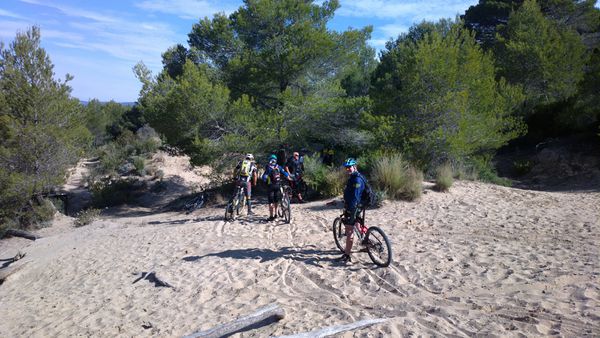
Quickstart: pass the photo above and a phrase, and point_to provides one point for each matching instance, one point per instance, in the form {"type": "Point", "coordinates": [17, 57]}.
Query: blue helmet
{"type": "Point", "coordinates": [349, 162]}
{"type": "Point", "coordinates": [273, 157]}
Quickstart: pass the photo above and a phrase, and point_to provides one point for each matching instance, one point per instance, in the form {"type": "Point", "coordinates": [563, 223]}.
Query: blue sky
{"type": "Point", "coordinates": [98, 42]}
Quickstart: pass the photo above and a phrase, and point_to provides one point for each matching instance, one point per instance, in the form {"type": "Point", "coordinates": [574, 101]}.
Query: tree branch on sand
{"type": "Point", "coordinates": [272, 311]}
{"type": "Point", "coordinates": [331, 330]}
{"type": "Point", "coordinates": [21, 233]}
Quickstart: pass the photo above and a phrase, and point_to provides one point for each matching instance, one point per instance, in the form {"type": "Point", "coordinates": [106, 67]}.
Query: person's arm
{"type": "Point", "coordinates": [353, 198]}
{"type": "Point", "coordinates": [285, 173]}
{"type": "Point", "coordinates": [255, 175]}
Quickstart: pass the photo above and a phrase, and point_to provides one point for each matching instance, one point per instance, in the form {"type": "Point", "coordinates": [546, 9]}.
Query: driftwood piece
{"type": "Point", "coordinates": [4, 273]}
{"type": "Point", "coordinates": [331, 330]}
{"type": "Point", "coordinates": [22, 233]}
{"type": "Point", "coordinates": [272, 311]}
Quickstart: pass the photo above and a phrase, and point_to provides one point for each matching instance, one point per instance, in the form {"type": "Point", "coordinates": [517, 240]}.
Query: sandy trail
{"type": "Point", "coordinates": [480, 260]}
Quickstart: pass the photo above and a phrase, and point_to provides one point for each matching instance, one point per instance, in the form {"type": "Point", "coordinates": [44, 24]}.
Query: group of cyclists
{"type": "Point", "coordinates": [246, 175]}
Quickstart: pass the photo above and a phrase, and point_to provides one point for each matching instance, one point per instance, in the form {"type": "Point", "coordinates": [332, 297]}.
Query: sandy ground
{"type": "Point", "coordinates": [479, 260]}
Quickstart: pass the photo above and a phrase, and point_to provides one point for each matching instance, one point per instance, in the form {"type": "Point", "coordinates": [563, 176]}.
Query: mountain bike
{"type": "Point", "coordinates": [285, 210]}
{"type": "Point", "coordinates": [297, 186]}
{"type": "Point", "coordinates": [236, 204]}
{"type": "Point", "coordinates": [373, 239]}
{"type": "Point", "coordinates": [195, 203]}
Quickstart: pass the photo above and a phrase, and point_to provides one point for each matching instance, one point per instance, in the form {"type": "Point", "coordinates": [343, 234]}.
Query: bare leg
{"type": "Point", "coordinates": [349, 238]}
{"type": "Point", "coordinates": [271, 207]}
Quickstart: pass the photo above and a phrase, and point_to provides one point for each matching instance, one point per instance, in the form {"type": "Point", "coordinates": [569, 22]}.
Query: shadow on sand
{"type": "Point", "coordinates": [305, 254]}
{"type": "Point", "coordinates": [331, 205]}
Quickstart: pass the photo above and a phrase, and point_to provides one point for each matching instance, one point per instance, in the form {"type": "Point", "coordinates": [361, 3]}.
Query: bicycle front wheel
{"type": "Point", "coordinates": [239, 204]}
{"type": "Point", "coordinates": [303, 189]}
{"type": "Point", "coordinates": [339, 234]}
{"type": "Point", "coordinates": [378, 246]}
{"type": "Point", "coordinates": [229, 212]}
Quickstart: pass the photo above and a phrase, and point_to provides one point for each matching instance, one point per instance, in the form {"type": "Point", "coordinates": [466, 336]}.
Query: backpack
{"type": "Point", "coordinates": [246, 168]}
{"type": "Point", "coordinates": [275, 175]}
{"type": "Point", "coordinates": [368, 197]}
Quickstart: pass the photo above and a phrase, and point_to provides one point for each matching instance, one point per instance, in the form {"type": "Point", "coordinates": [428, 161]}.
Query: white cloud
{"type": "Point", "coordinates": [72, 11]}
{"type": "Point", "coordinates": [9, 29]}
{"type": "Point", "coordinates": [8, 14]}
{"type": "Point", "coordinates": [187, 9]}
{"type": "Point", "coordinates": [378, 43]}
{"type": "Point", "coordinates": [415, 9]}
{"type": "Point", "coordinates": [393, 30]}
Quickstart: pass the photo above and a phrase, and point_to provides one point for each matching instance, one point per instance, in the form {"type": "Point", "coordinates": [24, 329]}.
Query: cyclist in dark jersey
{"type": "Point", "coordinates": [294, 167]}
{"type": "Point", "coordinates": [272, 177]}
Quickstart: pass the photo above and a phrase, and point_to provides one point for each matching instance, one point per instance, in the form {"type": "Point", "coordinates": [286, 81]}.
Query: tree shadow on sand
{"type": "Point", "coordinates": [331, 205]}
{"type": "Point", "coordinates": [304, 254]}
{"type": "Point", "coordinates": [189, 220]}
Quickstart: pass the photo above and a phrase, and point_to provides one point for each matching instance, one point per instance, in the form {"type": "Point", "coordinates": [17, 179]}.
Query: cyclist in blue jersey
{"type": "Point", "coordinates": [352, 207]}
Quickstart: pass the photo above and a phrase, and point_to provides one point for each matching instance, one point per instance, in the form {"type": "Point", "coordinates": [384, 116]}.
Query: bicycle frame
{"type": "Point", "coordinates": [360, 222]}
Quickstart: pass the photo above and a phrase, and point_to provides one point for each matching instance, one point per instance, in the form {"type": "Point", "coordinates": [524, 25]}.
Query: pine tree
{"type": "Point", "coordinates": [42, 126]}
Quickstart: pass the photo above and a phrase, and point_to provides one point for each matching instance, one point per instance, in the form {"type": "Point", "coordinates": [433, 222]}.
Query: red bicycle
{"type": "Point", "coordinates": [373, 239]}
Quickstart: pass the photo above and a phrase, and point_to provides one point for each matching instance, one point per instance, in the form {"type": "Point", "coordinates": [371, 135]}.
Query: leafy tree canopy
{"type": "Point", "coordinates": [548, 60]}
{"type": "Point", "coordinates": [268, 46]}
{"type": "Point", "coordinates": [580, 15]}
{"type": "Point", "coordinates": [440, 90]}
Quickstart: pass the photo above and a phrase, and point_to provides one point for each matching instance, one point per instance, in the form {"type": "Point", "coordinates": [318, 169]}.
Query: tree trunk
{"type": "Point", "coordinates": [22, 233]}
{"type": "Point", "coordinates": [331, 330]}
{"type": "Point", "coordinates": [264, 313]}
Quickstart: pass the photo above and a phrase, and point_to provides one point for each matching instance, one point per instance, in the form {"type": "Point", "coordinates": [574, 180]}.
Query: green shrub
{"type": "Point", "coordinates": [486, 173]}
{"type": "Point", "coordinates": [111, 157]}
{"type": "Point", "coordinates": [86, 217]}
{"type": "Point", "coordinates": [38, 214]}
{"type": "Point", "coordinates": [394, 176]}
{"type": "Point", "coordinates": [335, 180]}
{"type": "Point", "coordinates": [522, 167]}
{"type": "Point", "coordinates": [109, 193]}
{"type": "Point", "coordinates": [139, 163]}
{"type": "Point", "coordinates": [462, 171]}
{"type": "Point", "coordinates": [325, 180]}
{"type": "Point", "coordinates": [443, 177]}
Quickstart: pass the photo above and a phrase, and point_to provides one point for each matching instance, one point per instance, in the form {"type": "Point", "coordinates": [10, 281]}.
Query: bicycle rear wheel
{"type": "Point", "coordinates": [286, 209]}
{"type": "Point", "coordinates": [378, 246]}
{"type": "Point", "coordinates": [339, 234]}
{"type": "Point", "coordinates": [287, 191]}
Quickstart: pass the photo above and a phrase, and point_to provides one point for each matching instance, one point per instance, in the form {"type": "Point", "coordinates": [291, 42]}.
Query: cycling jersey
{"type": "Point", "coordinates": [243, 176]}
{"type": "Point", "coordinates": [353, 192]}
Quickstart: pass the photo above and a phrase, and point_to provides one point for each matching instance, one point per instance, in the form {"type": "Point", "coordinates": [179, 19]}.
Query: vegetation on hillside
{"type": "Point", "coordinates": [446, 94]}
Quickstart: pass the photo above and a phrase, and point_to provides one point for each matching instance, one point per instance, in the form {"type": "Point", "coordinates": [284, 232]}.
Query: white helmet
{"type": "Point", "coordinates": [249, 156]}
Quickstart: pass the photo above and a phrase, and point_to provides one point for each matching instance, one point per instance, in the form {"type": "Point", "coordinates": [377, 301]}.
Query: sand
{"type": "Point", "coordinates": [478, 260]}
